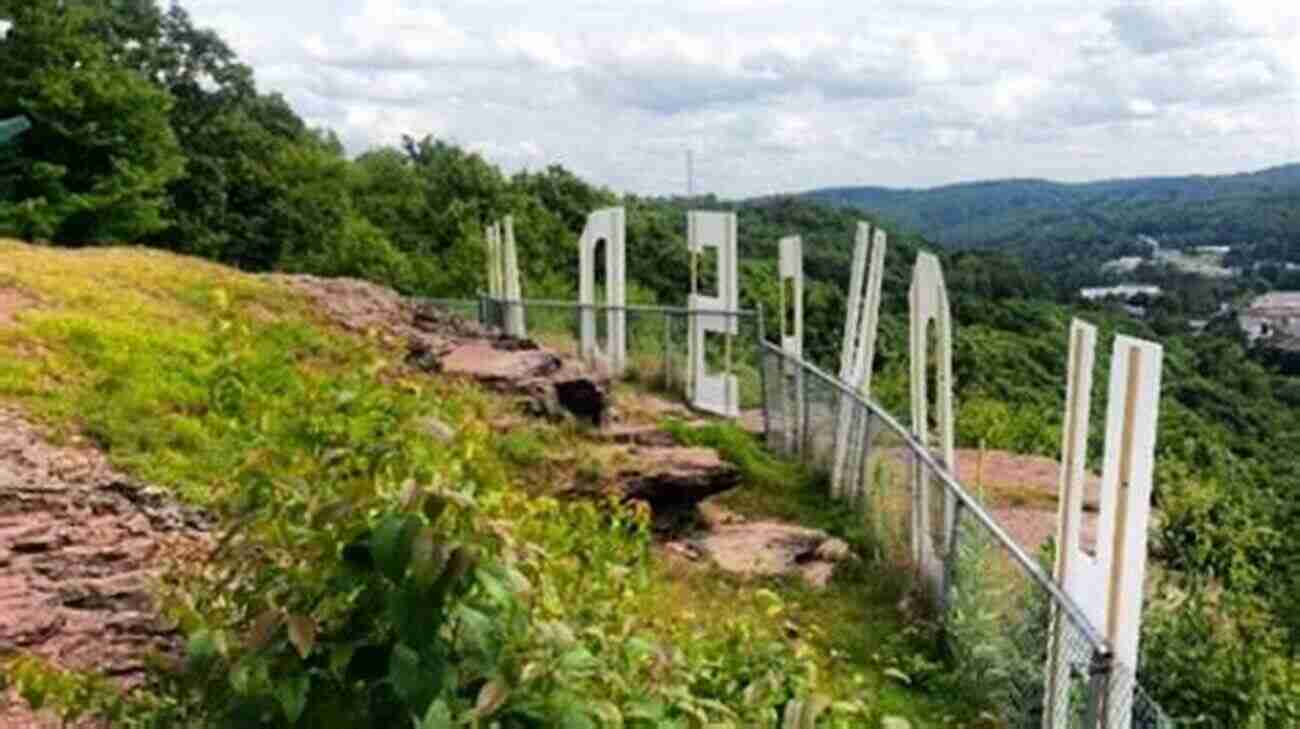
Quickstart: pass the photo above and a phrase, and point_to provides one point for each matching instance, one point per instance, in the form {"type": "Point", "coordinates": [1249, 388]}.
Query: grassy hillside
{"type": "Point", "coordinates": [369, 574]}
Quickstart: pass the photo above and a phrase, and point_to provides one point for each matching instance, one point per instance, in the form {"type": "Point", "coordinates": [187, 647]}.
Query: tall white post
{"type": "Point", "coordinates": [719, 394]}
{"type": "Point", "coordinates": [515, 321]}
{"type": "Point", "coordinates": [492, 243]}
{"type": "Point", "coordinates": [608, 225]}
{"type": "Point", "coordinates": [929, 303]}
{"type": "Point", "coordinates": [857, 358]}
{"type": "Point", "coordinates": [790, 270]}
{"type": "Point", "coordinates": [790, 278]}
{"type": "Point", "coordinates": [1108, 587]}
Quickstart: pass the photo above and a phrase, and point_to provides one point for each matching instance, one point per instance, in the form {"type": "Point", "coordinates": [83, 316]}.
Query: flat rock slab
{"type": "Point", "coordinates": [553, 385]}
{"type": "Point", "coordinates": [671, 479]}
{"type": "Point", "coordinates": [771, 548]}
{"type": "Point", "coordinates": [501, 369]}
{"type": "Point", "coordinates": [79, 547]}
{"type": "Point", "coordinates": [641, 435]}
{"type": "Point", "coordinates": [440, 341]}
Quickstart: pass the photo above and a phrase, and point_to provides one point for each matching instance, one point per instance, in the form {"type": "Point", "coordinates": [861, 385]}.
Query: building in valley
{"type": "Point", "coordinates": [1274, 314]}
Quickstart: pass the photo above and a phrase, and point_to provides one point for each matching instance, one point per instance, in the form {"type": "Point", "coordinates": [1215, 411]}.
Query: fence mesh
{"type": "Point", "coordinates": [1016, 643]}
{"type": "Point", "coordinates": [466, 308]}
{"type": "Point", "coordinates": [657, 341]}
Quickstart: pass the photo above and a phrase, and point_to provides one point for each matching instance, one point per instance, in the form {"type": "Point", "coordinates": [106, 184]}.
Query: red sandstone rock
{"type": "Point", "coordinates": [79, 545]}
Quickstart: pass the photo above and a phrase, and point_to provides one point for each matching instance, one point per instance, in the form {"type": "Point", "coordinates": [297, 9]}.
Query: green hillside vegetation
{"type": "Point", "coordinates": [369, 573]}
{"type": "Point", "coordinates": [149, 130]}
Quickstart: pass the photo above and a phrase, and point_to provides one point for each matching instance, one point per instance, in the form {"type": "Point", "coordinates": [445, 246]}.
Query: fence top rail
{"type": "Point", "coordinates": [1027, 563]}
{"type": "Point", "coordinates": [653, 309]}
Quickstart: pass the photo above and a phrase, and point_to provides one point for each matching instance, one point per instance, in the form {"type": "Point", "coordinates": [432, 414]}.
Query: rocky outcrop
{"type": "Point", "coordinates": [79, 546]}
{"type": "Point", "coordinates": [438, 340]}
{"type": "Point", "coordinates": [673, 479]}
{"type": "Point", "coordinates": [551, 385]}
{"type": "Point", "coordinates": [768, 548]}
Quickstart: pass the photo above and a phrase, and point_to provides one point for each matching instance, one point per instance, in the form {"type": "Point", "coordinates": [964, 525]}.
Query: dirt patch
{"type": "Point", "coordinates": [13, 301]}
{"type": "Point", "coordinates": [1021, 493]}
{"type": "Point", "coordinates": [79, 546]}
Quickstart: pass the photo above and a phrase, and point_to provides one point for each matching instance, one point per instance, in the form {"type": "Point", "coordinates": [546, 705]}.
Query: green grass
{"type": "Point", "coordinates": [861, 625]}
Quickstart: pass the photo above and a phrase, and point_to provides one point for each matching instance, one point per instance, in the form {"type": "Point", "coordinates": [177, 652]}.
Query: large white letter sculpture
{"type": "Point", "coordinates": [790, 274]}
{"type": "Point", "coordinates": [929, 303]}
{"type": "Point", "coordinates": [858, 353]}
{"type": "Point", "coordinates": [515, 321]}
{"type": "Point", "coordinates": [604, 225]}
{"type": "Point", "coordinates": [492, 242]}
{"type": "Point", "coordinates": [503, 274]}
{"type": "Point", "coordinates": [719, 394]}
{"type": "Point", "coordinates": [1107, 587]}
{"type": "Point", "coordinates": [790, 269]}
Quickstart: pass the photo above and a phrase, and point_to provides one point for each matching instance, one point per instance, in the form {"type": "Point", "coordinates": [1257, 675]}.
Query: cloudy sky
{"type": "Point", "coordinates": [779, 95]}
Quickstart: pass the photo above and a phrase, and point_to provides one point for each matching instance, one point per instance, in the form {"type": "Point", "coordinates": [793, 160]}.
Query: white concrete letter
{"type": "Point", "coordinates": [515, 321]}
{"type": "Point", "coordinates": [609, 226]}
{"type": "Point", "coordinates": [790, 268]}
{"type": "Point", "coordinates": [1107, 587]}
{"type": "Point", "coordinates": [492, 242]}
{"type": "Point", "coordinates": [790, 278]}
{"type": "Point", "coordinates": [929, 303]}
{"type": "Point", "coordinates": [719, 394]}
{"type": "Point", "coordinates": [857, 356]}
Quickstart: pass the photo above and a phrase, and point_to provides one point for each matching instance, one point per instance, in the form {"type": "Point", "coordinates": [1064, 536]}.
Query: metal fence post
{"type": "Point", "coordinates": [950, 561]}
{"type": "Point", "coordinates": [1100, 671]}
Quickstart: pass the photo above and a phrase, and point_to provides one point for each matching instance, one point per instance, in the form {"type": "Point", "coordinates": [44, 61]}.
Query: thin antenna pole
{"type": "Point", "coordinates": [690, 173]}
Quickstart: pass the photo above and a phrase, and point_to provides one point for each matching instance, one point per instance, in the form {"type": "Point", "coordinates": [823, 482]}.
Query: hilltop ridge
{"type": "Point", "coordinates": [1032, 215]}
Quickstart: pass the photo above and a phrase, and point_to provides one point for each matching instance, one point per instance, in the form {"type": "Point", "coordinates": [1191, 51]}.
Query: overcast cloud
{"type": "Point", "coordinates": [779, 96]}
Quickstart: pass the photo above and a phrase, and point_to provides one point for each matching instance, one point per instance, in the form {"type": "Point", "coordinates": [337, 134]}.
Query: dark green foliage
{"type": "Point", "coordinates": [100, 152]}
{"type": "Point", "coordinates": [1047, 219]}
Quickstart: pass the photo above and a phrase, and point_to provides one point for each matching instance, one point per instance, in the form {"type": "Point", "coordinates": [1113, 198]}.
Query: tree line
{"type": "Point", "coordinates": [147, 128]}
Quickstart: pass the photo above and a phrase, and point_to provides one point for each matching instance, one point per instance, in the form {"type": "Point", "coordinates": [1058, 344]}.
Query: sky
{"type": "Point", "coordinates": [778, 96]}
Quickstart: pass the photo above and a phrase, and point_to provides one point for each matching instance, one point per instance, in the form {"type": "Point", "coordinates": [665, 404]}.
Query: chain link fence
{"type": "Point", "coordinates": [470, 309]}
{"type": "Point", "coordinates": [1002, 617]}
{"type": "Point", "coordinates": [657, 340]}
{"type": "Point", "coordinates": [1019, 645]}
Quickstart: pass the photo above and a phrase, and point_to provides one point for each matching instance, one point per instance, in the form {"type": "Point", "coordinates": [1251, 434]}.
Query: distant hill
{"type": "Point", "coordinates": [1039, 217]}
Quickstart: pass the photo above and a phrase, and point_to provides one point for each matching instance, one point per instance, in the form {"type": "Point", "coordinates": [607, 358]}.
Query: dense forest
{"type": "Point", "coordinates": [1068, 229]}
{"type": "Point", "coordinates": [148, 129]}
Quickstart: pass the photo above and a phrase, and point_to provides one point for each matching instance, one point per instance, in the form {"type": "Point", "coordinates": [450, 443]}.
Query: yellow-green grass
{"type": "Point", "coordinates": [176, 367]}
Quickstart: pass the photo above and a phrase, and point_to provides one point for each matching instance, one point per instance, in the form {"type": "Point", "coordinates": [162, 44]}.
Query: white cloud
{"type": "Point", "coordinates": [782, 95]}
{"type": "Point", "coordinates": [1154, 26]}
{"type": "Point", "coordinates": [389, 34]}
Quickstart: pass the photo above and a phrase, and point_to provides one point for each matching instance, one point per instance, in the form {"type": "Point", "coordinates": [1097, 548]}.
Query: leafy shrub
{"type": "Point", "coordinates": [1214, 657]}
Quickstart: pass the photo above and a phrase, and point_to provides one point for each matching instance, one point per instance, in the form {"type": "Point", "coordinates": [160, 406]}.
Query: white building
{"type": "Point", "coordinates": [1124, 291]}
{"type": "Point", "coordinates": [1274, 313]}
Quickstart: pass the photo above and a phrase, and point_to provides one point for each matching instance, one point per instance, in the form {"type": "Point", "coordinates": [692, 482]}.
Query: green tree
{"type": "Point", "coordinates": [95, 165]}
